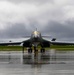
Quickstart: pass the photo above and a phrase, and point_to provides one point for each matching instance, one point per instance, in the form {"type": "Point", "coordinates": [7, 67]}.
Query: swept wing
{"type": "Point", "coordinates": [61, 43]}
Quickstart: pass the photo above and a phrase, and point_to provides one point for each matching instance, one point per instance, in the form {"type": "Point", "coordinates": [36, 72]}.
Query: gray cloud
{"type": "Point", "coordinates": [15, 31]}
{"type": "Point", "coordinates": [60, 31]}
{"type": "Point", "coordinates": [51, 17]}
{"type": "Point", "coordinates": [31, 1]}
{"type": "Point", "coordinates": [54, 29]}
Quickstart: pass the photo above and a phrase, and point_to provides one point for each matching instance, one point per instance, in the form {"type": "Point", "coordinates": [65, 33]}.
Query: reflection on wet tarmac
{"type": "Point", "coordinates": [49, 57]}
{"type": "Point", "coordinates": [50, 63]}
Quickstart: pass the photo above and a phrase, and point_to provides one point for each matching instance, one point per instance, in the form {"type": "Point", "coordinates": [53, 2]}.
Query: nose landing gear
{"type": "Point", "coordinates": [35, 51]}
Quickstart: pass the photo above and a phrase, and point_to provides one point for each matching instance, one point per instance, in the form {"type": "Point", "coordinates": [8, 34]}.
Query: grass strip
{"type": "Point", "coordinates": [57, 47]}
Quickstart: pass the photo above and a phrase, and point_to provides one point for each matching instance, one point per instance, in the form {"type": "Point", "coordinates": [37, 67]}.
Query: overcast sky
{"type": "Point", "coordinates": [51, 17]}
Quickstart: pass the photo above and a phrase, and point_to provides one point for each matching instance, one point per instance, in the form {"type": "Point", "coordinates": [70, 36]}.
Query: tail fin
{"type": "Point", "coordinates": [53, 39]}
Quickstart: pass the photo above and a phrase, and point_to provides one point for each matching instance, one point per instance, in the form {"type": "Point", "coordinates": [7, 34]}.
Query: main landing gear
{"type": "Point", "coordinates": [30, 50]}
{"type": "Point", "coordinates": [35, 50]}
{"type": "Point", "coordinates": [42, 50]}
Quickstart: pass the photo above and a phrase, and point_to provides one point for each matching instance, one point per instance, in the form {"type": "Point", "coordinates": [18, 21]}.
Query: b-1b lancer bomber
{"type": "Point", "coordinates": [37, 39]}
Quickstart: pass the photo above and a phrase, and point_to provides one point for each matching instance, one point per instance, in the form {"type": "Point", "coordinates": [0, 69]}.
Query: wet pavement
{"type": "Point", "coordinates": [50, 63]}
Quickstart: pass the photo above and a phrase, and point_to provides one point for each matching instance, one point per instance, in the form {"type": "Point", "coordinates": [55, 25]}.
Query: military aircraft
{"type": "Point", "coordinates": [37, 39]}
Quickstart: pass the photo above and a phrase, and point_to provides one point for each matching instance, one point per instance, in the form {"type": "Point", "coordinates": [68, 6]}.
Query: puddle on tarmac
{"type": "Point", "coordinates": [51, 63]}
{"type": "Point", "coordinates": [49, 57]}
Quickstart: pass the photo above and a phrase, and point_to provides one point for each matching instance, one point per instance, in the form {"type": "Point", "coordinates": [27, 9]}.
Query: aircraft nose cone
{"type": "Point", "coordinates": [35, 35]}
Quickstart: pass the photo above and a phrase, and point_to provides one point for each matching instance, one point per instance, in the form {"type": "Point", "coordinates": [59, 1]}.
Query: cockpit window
{"type": "Point", "coordinates": [36, 33]}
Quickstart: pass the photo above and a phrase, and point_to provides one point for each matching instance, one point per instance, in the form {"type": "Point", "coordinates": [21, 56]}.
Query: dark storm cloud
{"type": "Point", "coordinates": [55, 29]}
{"type": "Point", "coordinates": [60, 31]}
{"type": "Point", "coordinates": [15, 31]}
{"type": "Point", "coordinates": [51, 17]}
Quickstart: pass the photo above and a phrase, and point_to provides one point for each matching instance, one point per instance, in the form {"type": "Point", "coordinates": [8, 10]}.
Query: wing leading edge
{"type": "Point", "coordinates": [10, 43]}
{"type": "Point", "coordinates": [61, 43]}
{"type": "Point", "coordinates": [25, 43]}
{"type": "Point", "coordinates": [53, 42]}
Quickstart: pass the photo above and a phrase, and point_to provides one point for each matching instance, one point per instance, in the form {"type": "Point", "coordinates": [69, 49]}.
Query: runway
{"type": "Point", "coordinates": [51, 63]}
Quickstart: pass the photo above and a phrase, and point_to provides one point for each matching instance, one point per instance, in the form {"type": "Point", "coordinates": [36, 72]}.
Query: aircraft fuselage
{"type": "Point", "coordinates": [36, 38]}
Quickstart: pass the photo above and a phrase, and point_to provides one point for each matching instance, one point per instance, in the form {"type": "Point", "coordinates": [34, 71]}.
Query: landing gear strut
{"type": "Point", "coordinates": [35, 51]}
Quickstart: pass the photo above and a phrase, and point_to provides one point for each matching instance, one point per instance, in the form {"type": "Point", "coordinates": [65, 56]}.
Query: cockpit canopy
{"type": "Point", "coordinates": [36, 34]}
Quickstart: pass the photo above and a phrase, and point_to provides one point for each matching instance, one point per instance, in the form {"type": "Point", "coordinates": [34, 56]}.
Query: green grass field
{"type": "Point", "coordinates": [62, 47]}
{"type": "Point", "coordinates": [10, 48]}
{"type": "Point", "coordinates": [19, 48]}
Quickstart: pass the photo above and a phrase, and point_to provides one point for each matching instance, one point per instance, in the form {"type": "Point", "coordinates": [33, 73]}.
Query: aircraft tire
{"type": "Point", "coordinates": [29, 50]}
{"type": "Point", "coordinates": [42, 50]}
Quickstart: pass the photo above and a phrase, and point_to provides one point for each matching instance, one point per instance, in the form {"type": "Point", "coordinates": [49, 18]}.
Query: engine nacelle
{"type": "Point", "coordinates": [26, 44]}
